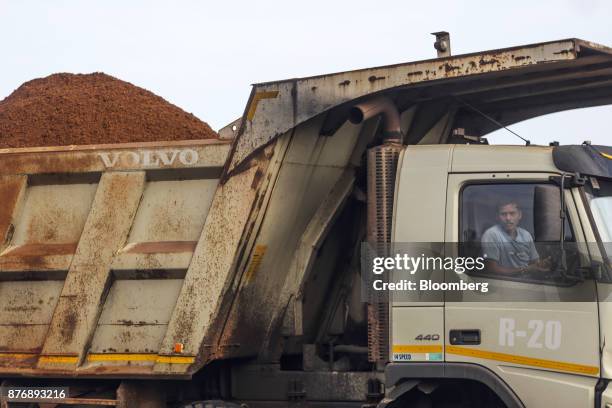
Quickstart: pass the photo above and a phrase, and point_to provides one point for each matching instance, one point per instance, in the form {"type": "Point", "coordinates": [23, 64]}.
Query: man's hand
{"type": "Point", "coordinates": [541, 265]}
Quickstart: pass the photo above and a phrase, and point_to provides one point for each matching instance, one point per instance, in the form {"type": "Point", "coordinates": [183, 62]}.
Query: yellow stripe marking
{"type": "Point", "coordinates": [122, 357]}
{"type": "Point", "coordinates": [142, 357]}
{"type": "Point", "coordinates": [175, 360]}
{"type": "Point", "coordinates": [59, 359]}
{"type": "Point", "coordinates": [417, 349]}
{"type": "Point", "coordinates": [258, 97]}
{"type": "Point", "coordinates": [258, 254]}
{"type": "Point", "coordinates": [511, 358]}
{"type": "Point", "coordinates": [607, 156]}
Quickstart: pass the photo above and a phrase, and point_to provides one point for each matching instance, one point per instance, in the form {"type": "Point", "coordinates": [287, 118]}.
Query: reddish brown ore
{"type": "Point", "coordinates": [82, 109]}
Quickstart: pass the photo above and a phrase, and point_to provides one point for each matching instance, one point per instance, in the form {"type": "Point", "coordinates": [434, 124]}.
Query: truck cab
{"type": "Point", "coordinates": [535, 338]}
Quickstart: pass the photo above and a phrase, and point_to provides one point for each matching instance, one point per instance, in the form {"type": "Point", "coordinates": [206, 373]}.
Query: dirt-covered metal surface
{"type": "Point", "coordinates": [96, 244]}
{"type": "Point", "coordinates": [510, 84]}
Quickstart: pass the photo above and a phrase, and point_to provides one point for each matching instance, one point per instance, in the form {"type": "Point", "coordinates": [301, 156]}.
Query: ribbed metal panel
{"type": "Point", "coordinates": [382, 167]}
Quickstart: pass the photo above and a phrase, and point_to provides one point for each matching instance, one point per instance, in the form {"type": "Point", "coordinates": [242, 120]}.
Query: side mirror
{"type": "Point", "coordinates": [546, 214]}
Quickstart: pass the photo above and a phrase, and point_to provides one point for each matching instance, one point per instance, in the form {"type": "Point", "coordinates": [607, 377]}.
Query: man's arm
{"type": "Point", "coordinates": [493, 266]}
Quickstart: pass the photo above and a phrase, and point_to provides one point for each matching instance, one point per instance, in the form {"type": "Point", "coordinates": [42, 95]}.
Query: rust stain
{"type": "Point", "coordinates": [68, 325]}
{"type": "Point", "coordinates": [375, 78]}
{"type": "Point", "coordinates": [38, 250]}
{"type": "Point", "coordinates": [10, 188]}
{"type": "Point", "coordinates": [80, 159]}
{"type": "Point", "coordinates": [186, 319]}
{"type": "Point", "coordinates": [450, 68]}
{"type": "Point", "coordinates": [10, 349]}
{"type": "Point", "coordinates": [24, 308]}
{"type": "Point", "coordinates": [161, 247]}
{"type": "Point", "coordinates": [521, 57]}
{"type": "Point", "coordinates": [126, 322]}
{"type": "Point", "coordinates": [49, 163]}
{"type": "Point", "coordinates": [490, 61]}
{"type": "Point", "coordinates": [257, 178]}
{"type": "Point", "coordinates": [33, 263]}
{"type": "Point", "coordinates": [26, 361]}
{"type": "Point", "coordinates": [344, 83]}
{"type": "Point", "coordinates": [415, 73]}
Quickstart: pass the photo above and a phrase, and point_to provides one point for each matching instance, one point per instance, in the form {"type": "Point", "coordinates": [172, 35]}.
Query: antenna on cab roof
{"type": "Point", "coordinates": [484, 115]}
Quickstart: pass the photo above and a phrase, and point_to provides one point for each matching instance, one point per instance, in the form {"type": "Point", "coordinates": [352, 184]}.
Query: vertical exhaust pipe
{"type": "Point", "coordinates": [382, 167]}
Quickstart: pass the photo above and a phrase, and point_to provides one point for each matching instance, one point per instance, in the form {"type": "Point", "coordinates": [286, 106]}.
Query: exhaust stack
{"type": "Point", "coordinates": [381, 105]}
{"type": "Point", "coordinates": [382, 167]}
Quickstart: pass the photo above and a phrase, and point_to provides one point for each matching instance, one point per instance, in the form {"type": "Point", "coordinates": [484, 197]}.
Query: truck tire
{"type": "Point", "coordinates": [212, 404]}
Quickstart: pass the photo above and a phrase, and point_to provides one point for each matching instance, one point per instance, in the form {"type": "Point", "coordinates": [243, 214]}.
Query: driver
{"type": "Point", "coordinates": [508, 248]}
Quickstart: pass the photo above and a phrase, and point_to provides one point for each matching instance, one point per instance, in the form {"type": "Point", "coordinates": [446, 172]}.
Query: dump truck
{"type": "Point", "coordinates": [230, 272]}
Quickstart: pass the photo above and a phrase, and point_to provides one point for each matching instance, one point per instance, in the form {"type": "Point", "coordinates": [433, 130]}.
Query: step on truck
{"type": "Point", "coordinates": [231, 272]}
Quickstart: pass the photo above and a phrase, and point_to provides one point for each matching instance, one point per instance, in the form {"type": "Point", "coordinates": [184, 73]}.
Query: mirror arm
{"type": "Point", "coordinates": [562, 238]}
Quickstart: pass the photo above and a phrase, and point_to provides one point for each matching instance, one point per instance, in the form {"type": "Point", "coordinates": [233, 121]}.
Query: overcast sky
{"type": "Point", "coordinates": [203, 55]}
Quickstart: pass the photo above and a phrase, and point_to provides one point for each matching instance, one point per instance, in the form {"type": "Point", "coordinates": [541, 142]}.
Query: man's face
{"type": "Point", "coordinates": [509, 217]}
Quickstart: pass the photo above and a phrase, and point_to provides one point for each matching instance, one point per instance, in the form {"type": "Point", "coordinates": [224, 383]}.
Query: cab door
{"type": "Point", "coordinates": [539, 334]}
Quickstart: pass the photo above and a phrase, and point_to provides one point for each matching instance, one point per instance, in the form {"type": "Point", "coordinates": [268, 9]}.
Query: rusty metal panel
{"type": "Point", "coordinates": [26, 308]}
{"type": "Point", "coordinates": [53, 214]}
{"type": "Point", "coordinates": [128, 156]}
{"type": "Point", "coordinates": [264, 104]}
{"type": "Point", "coordinates": [126, 260]}
{"type": "Point", "coordinates": [306, 178]}
{"type": "Point", "coordinates": [21, 338]}
{"type": "Point", "coordinates": [172, 211]}
{"type": "Point", "coordinates": [303, 259]}
{"type": "Point", "coordinates": [128, 338]}
{"type": "Point", "coordinates": [283, 105]}
{"type": "Point", "coordinates": [133, 302]}
{"type": "Point", "coordinates": [135, 316]}
{"type": "Point", "coordinates": [48, 227]}
{"type": "Point", "coordinates": [30, 258]}
{"type": "Point", "coordinates": [296, 197]}
{"type": "Point", "coordinates": [210, 270]}
{"type": "Point", "coordinates": [106, 229]}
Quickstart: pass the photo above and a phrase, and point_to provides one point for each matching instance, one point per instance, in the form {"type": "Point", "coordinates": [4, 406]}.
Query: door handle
{"type": "Point", "coordinates": [464, 337]}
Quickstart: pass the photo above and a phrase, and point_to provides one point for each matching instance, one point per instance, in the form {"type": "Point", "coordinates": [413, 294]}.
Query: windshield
{"type": "Point", "coordinates": [599, 195]}
{"type": "Point", "coordinates": [601, 207]}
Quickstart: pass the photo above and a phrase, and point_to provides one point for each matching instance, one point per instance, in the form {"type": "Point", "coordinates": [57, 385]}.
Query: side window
{"type": "Point", "coordinates": [516, 227]}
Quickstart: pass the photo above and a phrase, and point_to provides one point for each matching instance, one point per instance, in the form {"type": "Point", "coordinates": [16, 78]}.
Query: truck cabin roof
{"type": "Point", "coordinates": [585, 159]}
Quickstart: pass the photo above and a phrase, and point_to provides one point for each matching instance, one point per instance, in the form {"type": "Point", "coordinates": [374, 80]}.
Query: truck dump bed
{"type": "Point", "coordinates": [95, 242]}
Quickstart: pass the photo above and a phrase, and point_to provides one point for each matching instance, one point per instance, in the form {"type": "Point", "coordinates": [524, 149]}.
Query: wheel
{"type": "Point", "coordinates": [212, 404]}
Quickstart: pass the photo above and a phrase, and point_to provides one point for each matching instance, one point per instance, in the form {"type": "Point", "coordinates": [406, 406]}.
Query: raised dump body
{"type": "Point", "coordinates": [95, 245]}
